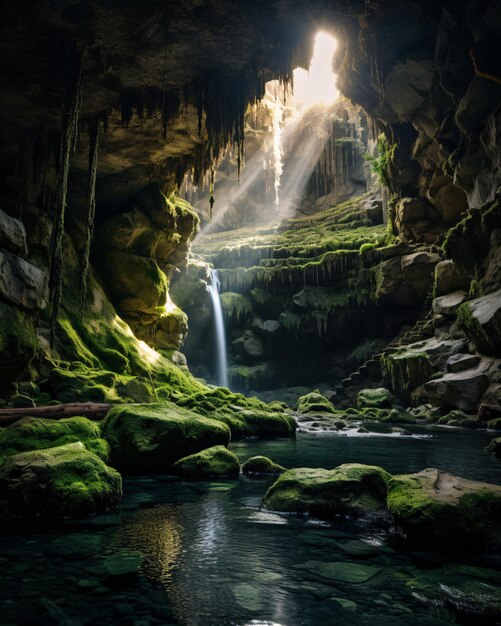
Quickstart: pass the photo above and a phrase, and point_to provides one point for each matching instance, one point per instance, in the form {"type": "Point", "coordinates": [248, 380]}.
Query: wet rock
{"type": "Point", "coordinates": [380, 398]}
{"type": "Point", "coordinates": [67, 481]}
{"type": "Point", "coordinates": [495, 446]}
{"type": "Point", "coordinates": [460, 362]}
{"type": "Point", "coordinates": [433, 506]}
{"type": "Point", "coordinates": [449, 278]}
{"type": "Point", "coordinates": [268, 328]}
{"type": "Point", "coordinates": [461, 390]}
{"type": "Point", "coordinates": [248, 596]}
{"type": "Point", "coordinates": [314, 402]}
{"type": "Point", "coordinates": [481, 320]}
{"type": "Point", "coordinates": [152, 437]}
{"type": "Point", "coordinates": [350, 489]}
{"type": "Point", "coordinates": [261, 465]}
{"type": "Point", "coordinates": [12, 234]}
{"type": "Point", "coordinates": [124, 563]}
{"type": "Point", "coordinates": [21, 283]}
{"type": "Point", "coordinates": [448, 305]}
{"type": "Point", "coordinates": [210, 463]}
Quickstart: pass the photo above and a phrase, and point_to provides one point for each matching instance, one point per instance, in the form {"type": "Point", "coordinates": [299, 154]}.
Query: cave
{"type": "Point", "coordinates": [250, 313]}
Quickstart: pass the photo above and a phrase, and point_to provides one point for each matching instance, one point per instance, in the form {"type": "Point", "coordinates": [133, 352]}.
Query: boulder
{"type": "Point", "coordinates": [481, 321]}
{"type": "Point", "coordinates": [12, 234]}
{"type": "Point", "coordinates": [261, 465]}
{"type": "Point", "coordinates": [314, 402]}
{"type": "Point", "coordinates": [18, 342]}
{"type": "Point", "coordinates": [449, 278]}
{"type": "Point", "coordinates": [379, 398]}
{"type": "Point", "coordinates": [34, 433]}
{"type": "Point", "coordinates": [67, 481]}
{"type": "Point", "coordinates": [434, 507]}
{"type": "Point", "coordinates": [495, 446]}
{"type": "Point", "coordinates": [448, 305]}
{"type": "Point", "coordinates": [406, 370]}
{"type": "Point", "coordinates": [150, 438]}
{"type": "Point", "coordinates": [461, 390]}
{"type": "Point", "coordinates": [460, 362]}
{"type": "Point", "coordinates": [406, 280]}
{"type": "Point", "coordinates": [21, 283]}
{"type": "Point", "coordinates": [254, 346]}
{"type": "Point", "coordinates": [349, 489]}
{"type": "Point", "coordinates": [419, 269]}
{"type": "Point", "coordinates": [210, 463]}
{"type": "Point", "coordinates": [407, 84]}
{"type": "Point", "coordinates": [267, 328]}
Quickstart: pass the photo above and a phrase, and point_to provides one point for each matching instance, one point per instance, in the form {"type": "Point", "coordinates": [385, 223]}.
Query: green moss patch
{"type": "Point", "coordinates": [210, 463]}
{"type": "Point", "coordinates": [379, 398]}
{"type": "Point", "coordinates": [261, 465]}
{"type": "Point", "coordinates": [314, 402]}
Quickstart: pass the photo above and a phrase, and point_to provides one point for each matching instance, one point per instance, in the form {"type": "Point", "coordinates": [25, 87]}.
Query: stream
{"type": "Point", "coordinates": [211, 557]}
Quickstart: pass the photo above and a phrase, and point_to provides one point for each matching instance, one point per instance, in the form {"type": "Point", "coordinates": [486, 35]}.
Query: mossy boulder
{"type": "Point", "coordinates": [150, 438]}
{"type": "Point", "coordinates": [350, 489]}
{"type": "Point", "coordinates": [494, 424]}
{"type": "Point", "coordinates": [32, 433]}
{"type": "Point", "coordinates": [481, 321]}
{"type": "Point", "coordinates": [314, 402]}
{"type": "Point", "coordinates": [210, 463]}
{"type": "Point", "coordinates": [256, 423]}
{"type": "Point", "coordinates": [18, 341]}
{"type": "Point", "coordinates": [261, 465]}
{"type": "Point", "coordinates": [434, 507]}
{"type": "Point", "coordinates": [379, 398]}
{"type": "Point", "coordinates": [67, 481]}
{"type": "Point", "coordinates": [495, 446]}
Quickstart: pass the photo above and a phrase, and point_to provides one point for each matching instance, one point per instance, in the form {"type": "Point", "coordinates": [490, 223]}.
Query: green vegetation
{"type": "Point", "coordinates": [495, 446]}
{"type": "Point", "coordinates": [261, 465]}
{"type": "Point", "coordinates": [64, 481]}
{"type": "Point", "coordinates": [210, 463]}
{"type": "Point", "coordinates": [352, 489]}
{"type": "Point", "coordinates": [236, 307]}
{"type": "Point", "coordinates": [32, 433]}
{"type": "Point", "coordinates": [380, 163]}
{"type": "Point", "coordinates": [314, 402]}
{"type": "Point", "coordinates": [379, 398]}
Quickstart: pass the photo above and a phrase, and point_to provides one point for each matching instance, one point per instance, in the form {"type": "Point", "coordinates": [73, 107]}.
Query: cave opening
{"type": "Point", "coordinates": [310, 191]}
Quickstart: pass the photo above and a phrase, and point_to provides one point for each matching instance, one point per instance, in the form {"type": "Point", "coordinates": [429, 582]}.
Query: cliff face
{"type": "Point", "coordinates": [105, 107]}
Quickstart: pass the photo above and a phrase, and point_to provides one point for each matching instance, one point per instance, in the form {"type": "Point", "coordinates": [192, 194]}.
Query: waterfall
{"type": "Point", "coordinates": [222, 362]}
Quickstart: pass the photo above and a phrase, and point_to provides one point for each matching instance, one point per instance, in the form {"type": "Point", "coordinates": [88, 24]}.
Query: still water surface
{"type": "Point", "coordinates": [213, 558]}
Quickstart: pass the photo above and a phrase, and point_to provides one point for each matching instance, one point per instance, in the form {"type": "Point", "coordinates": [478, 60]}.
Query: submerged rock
{"type": "Point", "coordinates": [380, 398]}
{"type": "Point", "coordinates": [261, 465]}
{"type": "Point", "coordinates": [210, 463]}
{"type": "Point", "coordinates": [350, 489]}
{"type": "Point", "coordinates": [433, 506]}
{"type": "Point", "coordinates": [123, 563]}
{"type": "Point", "coordinates": [67, 481]}
{"type": "Point", "coordinates": [152, 437]}
{"type": "Point", "coordinates": [343, 571]}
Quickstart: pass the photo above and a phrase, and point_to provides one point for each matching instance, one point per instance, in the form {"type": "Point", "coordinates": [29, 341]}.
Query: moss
{"type": "Point", "coordinates": [375, 398]}
{"type": "Point", "coordinates": [18, 341]}
{"type": "Point", "coordinates": [236, 307]}
{"type": "Point", "coordinates": [63, 481]}
{"type": "Point", "coordinates": [406, 369]}
{"type": "Point", "coordinates": [32, 433]}
{"type": "Point", "coordinates": [210, 463]}
{"type": "Point", "coordinates": [351, 489]}
{"type": "Point", "coordinates": [468, 322]}
{"type": "Point", "coordinates": [314, 402]}
{"type": "Point", "coordinates": [261, 465]}
{"type": "Point", "coordinates": [495, 446]}
{"type": "Point", "coordinates": [494, 424]}
{"type": "Point", "coordinates": [152, 437]}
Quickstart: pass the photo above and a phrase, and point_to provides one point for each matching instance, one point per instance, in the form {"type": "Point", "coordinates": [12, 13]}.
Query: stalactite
{"type": "Point", "coordinates": [69, 126]}
{"type": "Point", "coordinates": [94, 132]}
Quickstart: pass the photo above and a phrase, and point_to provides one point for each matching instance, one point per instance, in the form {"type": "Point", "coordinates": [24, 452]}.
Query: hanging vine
{"type": "Point", "coordinates": [94, 133]}
{"type": "Point", "coordinates": [69, 128]}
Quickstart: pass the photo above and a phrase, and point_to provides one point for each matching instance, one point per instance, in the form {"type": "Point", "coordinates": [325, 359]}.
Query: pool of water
{"type": "Point", "coordinates": [212, 557]}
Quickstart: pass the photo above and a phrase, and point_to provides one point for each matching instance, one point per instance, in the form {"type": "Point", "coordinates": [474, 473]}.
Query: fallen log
{"type": "Point", "coordinates": [91, 410]}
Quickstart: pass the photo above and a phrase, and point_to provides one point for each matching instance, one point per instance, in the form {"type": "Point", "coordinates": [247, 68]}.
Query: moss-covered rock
{"type": "Point", "coordinates": [18, 341]}
{"type": "Point", "coordinates": [379, 398]}
{"type": "Point", "coordinates": [236, 307]}
{"type": "Point", "coordinates": [314, 402]}
{"type": "Point", "coordinates": [495, 446]}
{"type": "Point", "coordinates": [261, 465]}
{"type": "Point", "coordinates": [32, 433]}
{"type": "Point", "coordinates": [351, 489]}
{"type": "Point", "coordinates": [255, 423]}
{"type": "Point", "coordinates": [147, 438]}
{"type": "Point", "coordinates": [67, 481]}
{"type": "Point", "coordinates": [494, 424]}
{"type": "Point", "coordinates": [434, 507]}
{"type": "Point", "coordinates": [407, 369]}
{"type": "Point", "coordinates": [210, 463]}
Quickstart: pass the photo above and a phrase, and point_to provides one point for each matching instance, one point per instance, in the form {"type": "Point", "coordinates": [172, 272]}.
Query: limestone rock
{"type": "Point", "coordinates": [351, 489]}
{"type": "Point", "coordinates": [461, 390]}
{"type": "Point", "coordinates": [12, 234]}
{"type": "Point", "coordinates": [447, 305]}
{"type": "Point", "coordinates": [448, 278]}
{"type": "Point", "coordinates": [417, 220]}
{"type": "Point", "coordinates": [481, 320]}
{"type": "Point", "coordinates": [67, 481]}
{"type": "Point", "coordinates": [406, 280]}
{"type": "Point", "coordinates": [267, 328]}
{"type": "Point", "coordinates": [152, 437]}
{"type": "Point", "coordinates": [434, 507]}
{"type": "Point", "coordinates": [460, 362]}
{"type": "Point", "coordinates": [406, 85]}
{"type": "Point", "coordinates": [21, 283]}
{"type": "Point", "coordinates": [407, 370]}
{"type": "Point", "coordinates": [210, 463]}
{"type": "Point", "coordinates": [254, 346]}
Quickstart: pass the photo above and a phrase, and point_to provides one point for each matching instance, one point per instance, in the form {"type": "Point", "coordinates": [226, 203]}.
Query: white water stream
{"type": "Point", "coordinates": [222, 358]}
